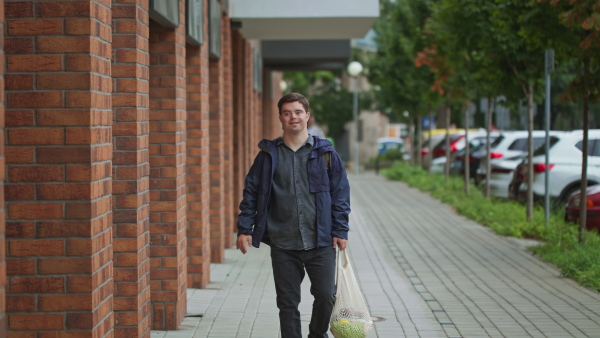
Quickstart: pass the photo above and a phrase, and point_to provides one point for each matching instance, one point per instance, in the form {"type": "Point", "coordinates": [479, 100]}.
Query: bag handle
{"type": "Point", "coordinates": [339, 263]}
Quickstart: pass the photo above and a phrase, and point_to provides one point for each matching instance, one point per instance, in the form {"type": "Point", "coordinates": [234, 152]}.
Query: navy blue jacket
{"type": "Point", "coordinates": [330, 186]}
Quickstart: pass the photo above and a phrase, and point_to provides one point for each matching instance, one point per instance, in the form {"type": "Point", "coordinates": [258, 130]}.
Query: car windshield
{"type": "Point", "coordinates": [542, 149]}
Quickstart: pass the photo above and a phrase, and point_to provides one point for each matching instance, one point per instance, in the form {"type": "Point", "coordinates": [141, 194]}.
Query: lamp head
{"type": "Point", "coordinates": [354, 68]}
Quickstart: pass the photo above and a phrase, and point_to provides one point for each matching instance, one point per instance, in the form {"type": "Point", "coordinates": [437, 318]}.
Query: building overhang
{"type": "Point", "coordinates": [305, 54]}
{"type": "Point", "coordinates": [304, 20]}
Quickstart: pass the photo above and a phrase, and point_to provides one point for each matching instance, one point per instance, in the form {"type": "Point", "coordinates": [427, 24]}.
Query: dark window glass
{"type": "Point", "coordinates": [519, 144]}
{"type": "Point", "coordinates": [214, 32]}
{"type": "Point", "coordinates": [165, 12]}
{"type": "Point", "coordinates": [194, 24]}
{"type": "Point", "coordinates": [593, 147]}
{"type": "Point", "coordinates": [497, 141]}
{"type": "Point", "coordinates": [542, 148]}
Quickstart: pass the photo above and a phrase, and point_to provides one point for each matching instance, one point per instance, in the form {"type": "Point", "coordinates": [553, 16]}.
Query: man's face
{"type": "Point", "coordinates": [293, 117]}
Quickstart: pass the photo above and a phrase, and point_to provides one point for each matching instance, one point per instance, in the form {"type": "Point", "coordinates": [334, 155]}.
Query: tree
{"type": "Point", "coordinates": [404, 87]}
{"type": "Point", "coordinates": [583, 18]}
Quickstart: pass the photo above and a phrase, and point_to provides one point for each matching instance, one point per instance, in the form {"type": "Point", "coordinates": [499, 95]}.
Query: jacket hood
{"type": "Point", "coordinates": [321, 145]}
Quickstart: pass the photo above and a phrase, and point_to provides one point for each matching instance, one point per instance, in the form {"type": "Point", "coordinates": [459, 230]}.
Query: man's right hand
{"type": "Point", "coordinates": [241, 243]}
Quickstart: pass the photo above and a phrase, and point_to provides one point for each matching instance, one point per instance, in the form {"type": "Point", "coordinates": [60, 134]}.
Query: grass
{"type": "Point", "coordinates": [560, 247]}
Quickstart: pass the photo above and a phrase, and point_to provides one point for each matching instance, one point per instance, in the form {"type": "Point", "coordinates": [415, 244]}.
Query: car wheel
{"type": "Point", "coordinates": [564, 196]}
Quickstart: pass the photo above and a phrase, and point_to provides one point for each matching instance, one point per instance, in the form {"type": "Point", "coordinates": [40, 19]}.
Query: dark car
{"type": "Point", "coordinates": [572, 210]}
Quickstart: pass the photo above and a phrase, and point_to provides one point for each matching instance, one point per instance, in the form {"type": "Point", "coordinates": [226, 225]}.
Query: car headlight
{"type": "Point", "coordinates": [575, 201]}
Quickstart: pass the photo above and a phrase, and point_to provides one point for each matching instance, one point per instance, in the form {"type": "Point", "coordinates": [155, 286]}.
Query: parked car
{"type": "Point", "coordinates": [572, 210]}
{"type": "Point", "coordinates": [458, 144]}
{"type": "Point", "coordinates": [501, 175]}
{"type": "Point", "coordinates": [508, 145]}
{"type": "Point", "coordinates": [426, 157]}
{"type": "Point", "coordinates": [457, 168]}
{"type": "Point", "coordinates": [516, 180]}
{"type": "Point", "coordinates": [565, 160]}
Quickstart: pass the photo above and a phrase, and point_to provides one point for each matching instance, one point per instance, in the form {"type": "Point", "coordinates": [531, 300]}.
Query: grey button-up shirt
{"type": "Point", "coordinates": [292, 214]}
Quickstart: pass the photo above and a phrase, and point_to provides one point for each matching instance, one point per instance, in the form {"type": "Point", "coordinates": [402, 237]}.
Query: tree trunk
{"type": "Point", "coordinates": [467, 146]}
{"type": "Point", "coordinates": [419, 140]}
{"type": "Point", "coordinates": [411, 137]}
{"type": "Point", "coordinates": [488, 146]}
{"type": "Point", "coordinates": [584, 162]}
{"type": "Point", "coordinates": [447, 165]}
{"type": "Point", "coordinates": [530, 151]}
{"type": "Point", "coordinates": [429, 145]}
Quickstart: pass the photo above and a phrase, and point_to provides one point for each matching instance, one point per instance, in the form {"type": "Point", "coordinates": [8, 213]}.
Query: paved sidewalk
{"type": "Point", "coordinates": [427, 271]}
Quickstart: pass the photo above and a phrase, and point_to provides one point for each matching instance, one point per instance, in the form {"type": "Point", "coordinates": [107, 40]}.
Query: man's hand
{"type": "Point", "coordinates": [339, 242]}
{"type": "Point", "coordinates": [241, 243]}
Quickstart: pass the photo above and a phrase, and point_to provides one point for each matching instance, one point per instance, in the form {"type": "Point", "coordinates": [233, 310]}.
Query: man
{"type": "Point", "coordinates": [314, 129]}
{"type": "Point", "coordinates": [297, 200]}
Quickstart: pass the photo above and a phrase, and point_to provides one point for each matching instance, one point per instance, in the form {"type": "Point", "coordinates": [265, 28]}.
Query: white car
{"type": "Point", "coordinates": [510, 145]}
{"type": "Point", "coordinates": [502, 171]}
{"type": "Point", "coordinates": [565, 160]}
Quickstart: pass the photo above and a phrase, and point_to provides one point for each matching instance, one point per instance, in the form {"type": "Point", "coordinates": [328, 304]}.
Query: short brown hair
{"type": "Point", "coordinates": [293, 97]}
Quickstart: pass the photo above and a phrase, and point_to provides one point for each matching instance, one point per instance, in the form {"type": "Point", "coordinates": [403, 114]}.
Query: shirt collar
{"type": "Point", "coordinates": [310, 140]}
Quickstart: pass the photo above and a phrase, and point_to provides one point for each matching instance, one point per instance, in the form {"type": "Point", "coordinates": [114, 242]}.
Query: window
{"type": "Point", "coordinates": [497, 141]}
{"type": "Point", "coordinates": [542, 148]}
{"type": "Point", "coordinates": [258, 79]}
{"type": "Point", "coordinates": [194, 22]}
{"type": "Point", "coordinates": [214, 43]}
{"type": "Point", "coordinates": [593, 147]}
{"type": "Point", "coordinates": [165, 12]}
{"type": "Point", "coordinates": [519, 144]}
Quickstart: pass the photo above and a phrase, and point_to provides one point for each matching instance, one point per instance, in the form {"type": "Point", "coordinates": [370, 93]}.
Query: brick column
{"type": "Point", "coordinates": [2, 178]}
{"type": "Point", "coordinates": [198, 180]}
{"type": "Point", "coordinates": [167, 174]}
{"type": "Point", "coordinates": [131, 232]}
{"type": "Point", "coordinates": [249, 117]}
{"type": "Point", "coordinates": [217, 160]}
{"type": "Point", "coordinates": [58, 155]}
{"type": "Point", "coordinates": [239, 110]}
{"type": "Point", "coordinates": [229, 211]}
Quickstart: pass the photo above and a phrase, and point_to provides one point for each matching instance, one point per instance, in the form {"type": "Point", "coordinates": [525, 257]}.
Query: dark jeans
{"type": "Point", "coordinates": [288, 271]}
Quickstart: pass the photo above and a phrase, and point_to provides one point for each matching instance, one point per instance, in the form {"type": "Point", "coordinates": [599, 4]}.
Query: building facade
{"type": "Point", "coordinates": [129, 126]}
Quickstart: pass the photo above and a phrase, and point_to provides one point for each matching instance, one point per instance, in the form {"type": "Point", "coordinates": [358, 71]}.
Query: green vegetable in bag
{"type": "Point", "coordinates": [343, 328]}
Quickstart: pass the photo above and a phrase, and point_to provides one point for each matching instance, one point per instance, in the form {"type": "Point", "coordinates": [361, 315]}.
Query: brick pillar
{"type": "Point", "coordinates": [237, 47]}
{"type": "Point", "coordinates": [131, 233]}
{"type": "Point", "coordinates": [58, 161]}
{"type": "Point", "coordinates": [2, 178]}
{"type": "Point", "coordinates": [228, 137]}
{"type": "Point", "coordinates": [251, 149]}
{"type": "Point", "coordinates": [198, 180]}
{"type": "Point", "coordinates": [168, 262]}
{"type": "Point", "coordinates": [217, 162]}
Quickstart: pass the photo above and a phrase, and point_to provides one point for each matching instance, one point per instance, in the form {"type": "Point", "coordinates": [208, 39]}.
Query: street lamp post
{"type": "Point", "coordinates": [354, 69]}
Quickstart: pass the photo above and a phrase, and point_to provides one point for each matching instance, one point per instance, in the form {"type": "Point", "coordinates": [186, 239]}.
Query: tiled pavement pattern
{"type": "Point", "coordinates": [426, 270]}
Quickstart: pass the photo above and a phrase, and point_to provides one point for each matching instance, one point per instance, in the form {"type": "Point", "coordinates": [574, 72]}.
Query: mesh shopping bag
{"type": "Point", "coordinates": [350, 317]}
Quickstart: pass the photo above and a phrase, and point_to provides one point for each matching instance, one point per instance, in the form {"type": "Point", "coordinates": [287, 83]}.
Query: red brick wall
{"type": "Point", "coordinates": [228, 136]}
{"type": "Point", "coordinates": [2, 178]}
{"type": "Point", "coordinates": [167, 174]}
{"type": "Point", "coordinates": [131, 168]}
{"type": "Point", "coordinates": [217, 162]}
{"type": "Point", "coordinates": [58, 162]}
{"type": "Point", "coordinates": [198, 232]}
{"type": "Point", "coordinates": [237, 43]}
